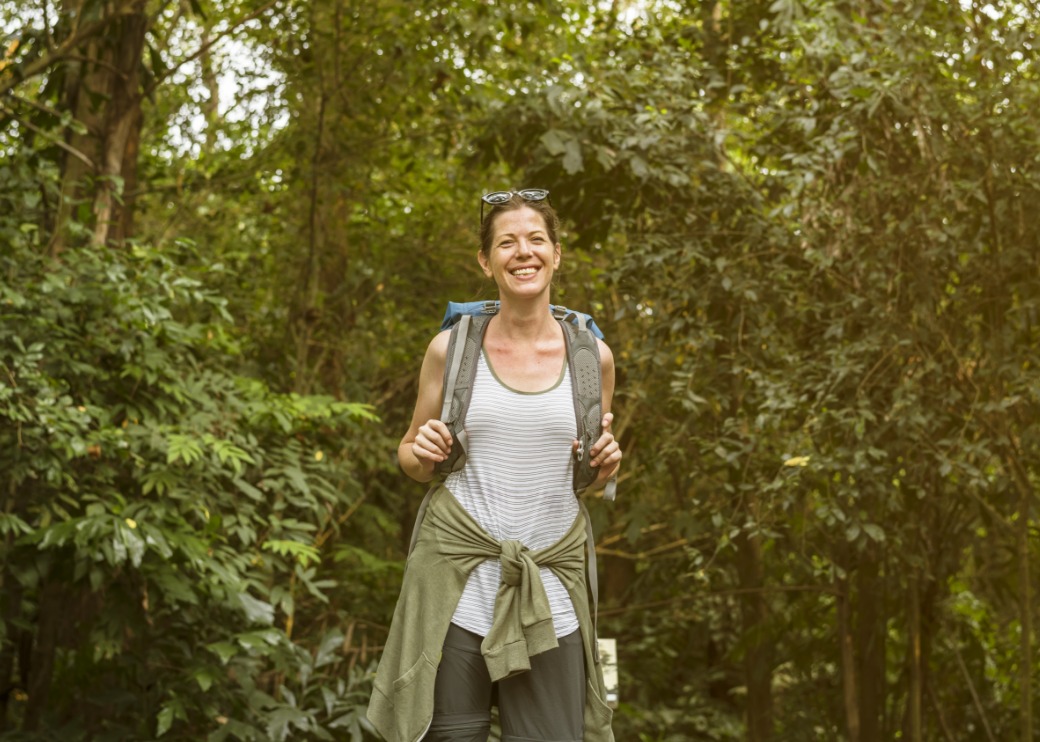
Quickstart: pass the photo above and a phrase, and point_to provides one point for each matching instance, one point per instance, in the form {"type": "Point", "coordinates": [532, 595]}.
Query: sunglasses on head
{"type": "Point", "coordinates": [500, 197]}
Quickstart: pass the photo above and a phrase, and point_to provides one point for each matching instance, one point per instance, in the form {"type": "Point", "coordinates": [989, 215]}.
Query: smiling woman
{"type": "Point", "coordinates": [508, 518]}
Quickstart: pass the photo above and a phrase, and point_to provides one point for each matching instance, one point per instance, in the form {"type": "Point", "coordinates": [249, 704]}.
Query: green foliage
{"type": "Point", "coordinates": [164, 518]}
{"type": "Point", "coordinates": [807, 228]}
{"type": "Point", "coordinates": [816, 357]}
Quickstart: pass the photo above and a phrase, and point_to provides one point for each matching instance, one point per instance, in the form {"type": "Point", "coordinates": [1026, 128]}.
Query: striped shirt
{"type": "Point", "coordinates": [517, 484]}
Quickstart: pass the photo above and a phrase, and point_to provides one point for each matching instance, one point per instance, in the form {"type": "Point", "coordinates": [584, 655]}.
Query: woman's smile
{"type": "Point", "coordinates": [524, 272]}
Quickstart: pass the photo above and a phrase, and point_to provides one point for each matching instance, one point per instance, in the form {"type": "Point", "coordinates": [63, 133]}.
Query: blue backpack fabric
{"type": "Point", "coordinates": [475, 308]}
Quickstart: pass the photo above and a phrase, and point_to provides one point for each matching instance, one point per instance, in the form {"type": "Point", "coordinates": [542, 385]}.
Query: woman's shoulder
{"type": "Point", "coordinates": [606, 355]}
{"type": "Point", "coordinates": [437, 350]}
{"type": "Point", "coordinates": [440, 341]}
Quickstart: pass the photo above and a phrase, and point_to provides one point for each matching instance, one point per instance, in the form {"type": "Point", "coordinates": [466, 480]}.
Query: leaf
{"type": "Point", "coordinates": [329, 697]}
{"type": "Point", "coordinates": [204, 678]}
{"type": "Point", "coordinates": [11, 525]}
{"type": "Point", "coordinates": [248, 489]}
{"type": "Point", "coordinates": [228, 452]}
{"type": "Point", "coordinates": [556, 141]}
{"type": "Point", "coordinates": [164, 721]}
{"type": "Point", "coordinates": [874, 531]}
{"type": "Point", "coordinates": [257, 611]}
{"type": "Point", "coordinates": [182, 447]}
{"type": "Point", "coordinates": [224, 650]}
{"type": "Point", "coordinates": [134, 543]}
{"type": "Point", "coordinates": [639, 166]}
{"type": "Point", "coordinates": [572, 161]}
{"type": "Point", "coordinates": [303, 553]}
{"type": "Point", "coordinates": [173, 709]}
{"type": "Point", "coordinates": [160, 480]}
{"type": "Point", "coordinates": [297, 477]}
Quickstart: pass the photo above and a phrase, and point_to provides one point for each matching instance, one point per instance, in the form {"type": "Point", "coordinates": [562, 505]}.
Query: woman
{"type": "Point", "coordinates": [495, 594]}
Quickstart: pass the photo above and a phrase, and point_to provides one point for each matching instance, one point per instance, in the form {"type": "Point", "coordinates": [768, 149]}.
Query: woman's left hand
{"type": "Point", "coordinates": [606, 452]}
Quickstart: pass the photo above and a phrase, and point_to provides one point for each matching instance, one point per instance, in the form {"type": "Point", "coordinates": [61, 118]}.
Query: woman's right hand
{"type": "Point", "coordinates": [427, 441]}
{"type": "Point", "coordinates": [432, 444]}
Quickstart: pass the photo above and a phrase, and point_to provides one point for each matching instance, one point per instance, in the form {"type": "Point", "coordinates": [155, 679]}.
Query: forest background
{"type": "Point", "coordinates": [809, 229]}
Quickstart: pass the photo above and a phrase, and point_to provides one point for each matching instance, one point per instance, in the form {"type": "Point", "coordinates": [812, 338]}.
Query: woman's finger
{"type": "Point", "coordinates": [609, 450]}
{"type": "Point", "coordinates": [440, 429]}
{"type": "Point", "coordinates": [436, 434]}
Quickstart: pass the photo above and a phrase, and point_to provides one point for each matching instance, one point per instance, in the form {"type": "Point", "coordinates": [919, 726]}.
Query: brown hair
{"type": "Point", "coordinates": [487, 227]}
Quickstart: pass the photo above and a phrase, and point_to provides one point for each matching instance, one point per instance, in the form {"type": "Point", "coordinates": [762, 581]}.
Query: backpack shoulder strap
{"type": "Point", "coordinates": [587, 390]}
{"type": "Point", "coordinates": [459, 372]}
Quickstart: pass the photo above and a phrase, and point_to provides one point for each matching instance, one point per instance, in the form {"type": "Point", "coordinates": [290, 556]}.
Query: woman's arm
{"type": "Point", "coordinates": [427, 440]}
{"type": "Point", "coordinates": [606, 453]}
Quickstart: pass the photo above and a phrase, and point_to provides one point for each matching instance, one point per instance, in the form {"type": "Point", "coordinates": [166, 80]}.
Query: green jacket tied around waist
{"type": "Point", "coordinates": [450, 545]}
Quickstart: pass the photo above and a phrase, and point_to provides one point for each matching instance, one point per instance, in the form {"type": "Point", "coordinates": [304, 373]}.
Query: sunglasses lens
{"type": "Point", "coordinates": [498, 197]}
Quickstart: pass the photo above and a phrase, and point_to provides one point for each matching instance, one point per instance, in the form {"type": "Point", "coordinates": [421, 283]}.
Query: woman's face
{"type": "Point", "coordinates": [521, 259]}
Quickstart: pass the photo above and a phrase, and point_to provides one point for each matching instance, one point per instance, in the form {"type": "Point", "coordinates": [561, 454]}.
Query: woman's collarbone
{"type": "Point", "coordinates": [531, 372]}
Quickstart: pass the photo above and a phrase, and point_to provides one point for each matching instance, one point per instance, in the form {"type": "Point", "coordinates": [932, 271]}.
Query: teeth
{"type": "Point", "coordinates": [523, 271]}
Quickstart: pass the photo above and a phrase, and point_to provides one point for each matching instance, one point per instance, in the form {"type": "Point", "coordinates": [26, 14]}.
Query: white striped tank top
{"type": "Point", "coordinates": [517, 484]}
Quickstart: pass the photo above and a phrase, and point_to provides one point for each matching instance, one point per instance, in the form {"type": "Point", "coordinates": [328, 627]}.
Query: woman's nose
{"type": "Point", "coordinates": [523, 247]}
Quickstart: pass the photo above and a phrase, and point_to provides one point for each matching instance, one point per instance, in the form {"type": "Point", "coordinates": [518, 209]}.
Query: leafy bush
{"type": "Point", "coordinates": [164, 520]}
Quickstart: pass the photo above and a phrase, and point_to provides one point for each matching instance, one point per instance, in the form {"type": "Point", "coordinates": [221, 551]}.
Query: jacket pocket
{"type": "Point", "coordinates": [413, 699]}
{"type": "Point", "coordinates": [598, 716]}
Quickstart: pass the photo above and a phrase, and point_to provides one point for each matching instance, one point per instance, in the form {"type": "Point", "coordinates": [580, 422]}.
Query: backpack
{"type": "Point", "coordinates": [468, 323]}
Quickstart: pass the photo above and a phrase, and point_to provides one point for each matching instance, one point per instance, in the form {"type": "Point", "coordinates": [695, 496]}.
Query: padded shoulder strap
{"type": "Point", "coordinates": [459, 372]}
{"type": "Point", "coordinates": [587, 387]}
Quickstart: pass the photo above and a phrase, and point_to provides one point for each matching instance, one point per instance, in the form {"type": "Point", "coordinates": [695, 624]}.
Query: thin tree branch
{"type": "Point", "coordinates": [938, 713]}
{"type": "Point", "coordinates": [50, 137]}
{"type": "Point", "coordinates": [974, 693]}
{"type": "Point", "coordinates": [35, 104]}
{"type": "Point", "coordinates": [648, 554]}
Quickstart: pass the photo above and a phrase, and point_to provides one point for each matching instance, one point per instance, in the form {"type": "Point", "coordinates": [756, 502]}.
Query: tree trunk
{"type": "Point", "coordinates": [870, 643]}
{"type": "Point", "coordinates": [306, 315]}
{"type": "Point", "coordinates": [81, 77]}
{"type": "Point", "coordinates": [758, 662]}
{"type": "Point", "coordinates": [121, 116]}
{"type": "Point", "coordinates": [914, 693]}
{"type": "Point", "coordinates": [10, 607]}
{"type": "Point", "coordinates": [1025, 666]}
{"type": "Point", "coordinates": [41, 664]}
{"type": "Point", "coordinates": [124, 228]}
{"type": "Point", "coordinates": [848, 663]}
{"type": "Point", "coordinates": [102, 91]}
{"type": "Point", "coordinates": [1020, 476]}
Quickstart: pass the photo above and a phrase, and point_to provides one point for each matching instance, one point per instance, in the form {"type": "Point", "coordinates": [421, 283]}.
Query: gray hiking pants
{"type": "Point", "coordinates": [546, 704]}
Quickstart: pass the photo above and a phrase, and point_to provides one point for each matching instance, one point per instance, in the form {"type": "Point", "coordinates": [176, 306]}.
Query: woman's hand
{"type": "Point", "coordinates": [606, 452]}
{"type": "Point", "coordinates": [427, 441]}
{"type": "Point", "coordinates": [432, 444]}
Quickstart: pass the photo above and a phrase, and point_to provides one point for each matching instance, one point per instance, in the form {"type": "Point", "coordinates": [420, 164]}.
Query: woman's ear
{"type": "Point", "coordinates": [482, 259]}
{"type": "Point", "coordinates": [556, 256]}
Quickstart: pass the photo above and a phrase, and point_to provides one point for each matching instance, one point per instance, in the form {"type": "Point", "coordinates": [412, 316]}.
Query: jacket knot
{"type": "Point", "coordinates": [512, 560]}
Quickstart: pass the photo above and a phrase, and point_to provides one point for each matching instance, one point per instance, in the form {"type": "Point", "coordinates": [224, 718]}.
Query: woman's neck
{"type": "Point", "coordinates": [525, 320]}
